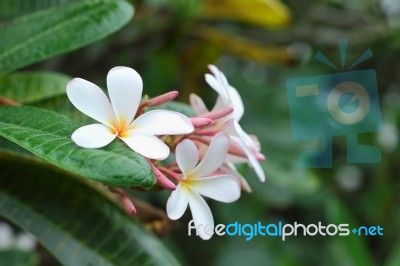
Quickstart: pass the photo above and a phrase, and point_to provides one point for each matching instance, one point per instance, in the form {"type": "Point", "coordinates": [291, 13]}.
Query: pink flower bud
{"type": "Point", "coordinates": [125, 200]}
{"type": "Point", "coordinates": [128, 206]}
{"type": "Point", "coordinates": [260, 156]}
{"type": "Point", "coordinates": [162, 180]}
{"type": "Point", "coordinates": [200, 121]}
{"type": "Point", "coordinates": [217, 114]}
{"type": "Point", "coordinates": [163, 98]}
{"type": "Point", "coordinates": [171, 173]}
{"type": "Point", "coordinates": [5, 101]}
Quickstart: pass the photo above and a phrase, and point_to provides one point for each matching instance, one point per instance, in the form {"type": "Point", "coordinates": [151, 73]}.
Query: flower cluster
{"type": "Point", "coordinates": [206, 146]}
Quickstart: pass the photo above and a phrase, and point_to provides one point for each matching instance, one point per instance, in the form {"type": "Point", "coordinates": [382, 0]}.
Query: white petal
{"type": "Point", "coordinates": [214, 157]}
{"type": "Point", "coordinates": [90, 100]}
{"type": "Point", "coordinates": [146, 145]}
{"type": "Point", "coordinates": [125, 89]}
{"type": "Point", "coordinates": [223, 82]}
{"type": "Point", "coordinates": [233, 128]}
{"type": "Point", "coordinates": [217, 86]}
{"type": "Point", "coordinates": [224, 188]}
{"type": "Point", "coordinates": [197, 104]}
{"type": "Point", "coordinates": [237, 103]}
{"type": "Point", "coordinates": [163, 122]}
{"type": "Point", "coordinates": [201, 214]}
{"type": "Point", "coordinates": [187, 155]}
{"type": "Point", "coordinates": [231, 169]}
{"type": "Point", "coordinates": [93, 136]}
{"type": "Point", "coordinates": [177, 203]}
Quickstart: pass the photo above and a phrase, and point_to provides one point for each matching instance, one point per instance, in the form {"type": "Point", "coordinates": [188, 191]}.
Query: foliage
{"type": "Point", "coordinates": [56, 190]}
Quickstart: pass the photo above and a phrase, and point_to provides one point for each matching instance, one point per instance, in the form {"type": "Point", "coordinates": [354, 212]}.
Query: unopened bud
{"type": "Point", "coordinates": [217, 114]}
{"type": "Point", "coordinates": [128, 205]}
{"type": "Point", "coordinates": [163, 98]}
{"type": "Point", "coordinates": [162, 180]}
{"type": "Point", "coordinates": [199, 122]}
{"type": "Point", "coordinates": [6, 101]}
{"type": "Point", "coordinates": [260, 156]}
{"type": "Point", "coordinates": [171, 173]}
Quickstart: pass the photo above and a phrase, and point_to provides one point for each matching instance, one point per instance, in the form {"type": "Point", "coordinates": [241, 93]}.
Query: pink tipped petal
{"type": "Point", "coordinates": [224, 188]}
{"type": "Point", "coordinates": [187, 155]}
{"type": "Point", "coordinates": [93, 136]}
{"type": "Point", "coordinates": [201, 214]}
{"type": "Point", "coordinates": [125, 89]}
{"type": "Point", "coordinates": [90, 100]}
{"type": "Point", "coordinates": [146, 145]}
{"type": "Point", "coordinates": [177, 203]}
{"type": "Point", "coordinates": [215, 156]}
{"type": "Point", "coordinates": [163, 122]}
{"type": "Point", "coordinates": [197, 104]}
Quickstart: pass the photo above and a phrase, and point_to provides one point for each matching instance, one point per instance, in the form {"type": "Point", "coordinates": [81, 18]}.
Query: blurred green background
{"type": "Point", "coordinates": [259, 44]}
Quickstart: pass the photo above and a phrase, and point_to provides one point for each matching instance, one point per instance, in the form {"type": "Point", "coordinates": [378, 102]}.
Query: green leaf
{"type": "Point", "coordinates": [28, 87]}
{"type": "Point", "coordinates": [31, 31]}
{"type": "Point", "coordinates": [48, 135]}
{"type": "Point", "coordinates": [394, 255]}
{"type": "Point", "coordinates": [14, 257]}
{"type": "Point", "coordinates": [352, 249]}
{"type": "Point", "coordinates": [76, 223]}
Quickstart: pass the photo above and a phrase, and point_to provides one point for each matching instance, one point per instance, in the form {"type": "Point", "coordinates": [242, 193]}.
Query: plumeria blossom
{"type": "Point", "coordinates": [228, 97]}
{"type": "Point", "coordinates": [197, 181]}
{"type": "Point", "coordinates": [117, 115]}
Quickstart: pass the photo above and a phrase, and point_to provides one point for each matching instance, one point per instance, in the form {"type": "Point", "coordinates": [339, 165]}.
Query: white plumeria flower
{"type": "Point", "coordinates": [117, 118]}
{"type": "Point", "coordinates": [196, 182]}
{"type": "Point", "coordinates": [228, 97]}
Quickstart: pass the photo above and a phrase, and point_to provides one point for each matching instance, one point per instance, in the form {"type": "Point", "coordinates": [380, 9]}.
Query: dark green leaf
{"type": "Point", "coordinates": [48, 135]}
{"type": "Point", "coordinates": [353, 249]}
{"type": "Point", "coordinates": [76, 223]}
{"type": "Point", "coordinates": [33, 30]}
{"type": "Point", "coordinates": [28, 87]}
{"type": "Point", "coordinates": [14, 257]}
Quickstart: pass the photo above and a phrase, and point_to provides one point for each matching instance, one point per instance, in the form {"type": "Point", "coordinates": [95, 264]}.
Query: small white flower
{"type": "Point", "coordinates": [117, 118]}
{"type": "Point", "coordinates": [196, 182]}
{"type": "Point", "coordinates": [228, 97]}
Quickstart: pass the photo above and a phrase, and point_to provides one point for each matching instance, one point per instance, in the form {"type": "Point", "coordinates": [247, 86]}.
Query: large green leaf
{"type": "Point", "coordinates": [15, 257]}
{"type": "Point", "coordinates": [48, 135]}
{"type": "Point", "coordinates": [394, 256]}
{"type": "Point", "coordinates": [76, 223]}
{"type": "Point", "coordinates": [28, 87]}
{"type": "Point", "coordinates": [353, 249]}
{"type": "Point", "coordinates": [33, 30]}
